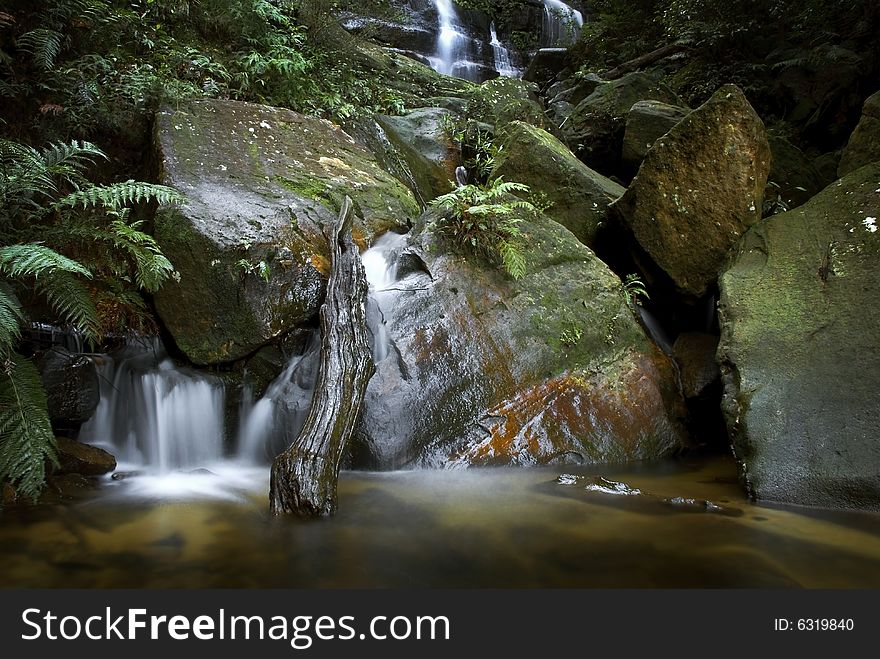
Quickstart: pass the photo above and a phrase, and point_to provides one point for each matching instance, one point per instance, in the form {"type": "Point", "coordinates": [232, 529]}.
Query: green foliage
{"type": "Point", "coordinates": [26, 438]}
{"type": "Point", "coordinates": [484, 220]}
{"type": "Point", "coordinates": [634, 290]}
{"type": "Point", "coordinates": [56, 227]}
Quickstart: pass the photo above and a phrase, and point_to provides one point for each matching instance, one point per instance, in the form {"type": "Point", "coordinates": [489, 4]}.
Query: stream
{"type": "Point", "coordinates": [547, 527]}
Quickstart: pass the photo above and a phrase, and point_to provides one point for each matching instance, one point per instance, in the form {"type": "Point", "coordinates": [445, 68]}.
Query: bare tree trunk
{"type": "Point", "coordinates": [644, 60]}
{"type": "Point", "coordinates": [304, 477]}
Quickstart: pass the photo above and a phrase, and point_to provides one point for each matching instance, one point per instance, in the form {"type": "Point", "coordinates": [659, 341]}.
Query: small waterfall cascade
{"type": "Point", "coordinates": [380, 267]}
{"type": "Point", "coordinates": [155, 415]}
{"type": "Point", "coordinates": [274, 421]}
{"type": "Point", "coordinates": [562, 25]}
{"type": "Point", "coordinates": [456, 51]}
{"type": "Point", "coordinates": [503, 59]}
{"type": "Point", "coordinates": [655, 330]}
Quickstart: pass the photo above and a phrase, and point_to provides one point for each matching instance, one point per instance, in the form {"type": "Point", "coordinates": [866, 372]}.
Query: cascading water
{"type": "Point", "coordinates": [380, 267]}
{"type": "Point", "coordinates": [275, 420]}
{"type": "Point", "coordinates": [155, 416]}
{"type": "Point", "coordinates": [454, 53]}
{"type": "Point", "coordinates": [562, 25]}
{"type": "Point", "coordinates": [503, 60]}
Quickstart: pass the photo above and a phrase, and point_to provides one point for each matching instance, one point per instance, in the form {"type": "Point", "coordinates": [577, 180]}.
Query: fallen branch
{"type": "Point", "coordinates": [305, 476]}
{"type": "Point", "coordinates": [644, 60]}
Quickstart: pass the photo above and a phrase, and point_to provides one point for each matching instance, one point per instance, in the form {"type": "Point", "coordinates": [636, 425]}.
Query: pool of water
{"type": "Point", "coordinates": [689, 526]}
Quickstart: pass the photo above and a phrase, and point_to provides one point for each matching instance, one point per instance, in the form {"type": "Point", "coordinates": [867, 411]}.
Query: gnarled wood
{"type": "Point", "coordinates": [304, 477]}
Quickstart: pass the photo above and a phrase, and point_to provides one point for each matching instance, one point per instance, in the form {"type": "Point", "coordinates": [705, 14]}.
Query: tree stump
{"type": "Point", "coordinates": [304, 477]}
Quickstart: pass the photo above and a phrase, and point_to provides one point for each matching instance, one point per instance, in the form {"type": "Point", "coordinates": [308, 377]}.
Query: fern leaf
{"type": "Point", "coordinates": [43, 45]}
{"type": "Point", "coordinates": [35, 260]}
{"type": "Point", "coordinates": [11, 318]}
{"type": "Point", "coordinates": [118, 195]}
{"type": "Point", "coordinates": [71, 300]}
{"type": "Point", "coordinates": [512, 258]}
{"type": "Point", "coordinates": [26, 438]}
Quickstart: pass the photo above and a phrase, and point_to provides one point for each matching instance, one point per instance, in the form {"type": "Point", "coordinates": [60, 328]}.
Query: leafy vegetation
{"type": "Point", "coordinates": [634, 290]}
{"type": "Point", "coordinates": [484, 220]}
{"type": "Point", "coordinates": [70, 245]}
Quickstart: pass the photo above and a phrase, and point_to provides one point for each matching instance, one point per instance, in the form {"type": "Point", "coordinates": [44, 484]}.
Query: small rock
{"type": "Point", "coordinates": [78, 458]}
{"type": "Point", "coordinates": [9, 494]}
{"type": "Point", "coordinates": [606, 486]}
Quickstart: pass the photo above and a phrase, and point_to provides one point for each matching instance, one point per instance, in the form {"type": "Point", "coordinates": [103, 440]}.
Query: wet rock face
{"type": "Point", "coordinates": [72, 387]}
{"type": "Point", "coordinates": [698, 368]}
{"type": "Point", "coordinates": [487, 371]}
{"type": "Point", "coordinates": [579, 196]}
{"type": "Point", "coordinates": [261, 184]}
{"type": "Point", "coordinates": [799, 352]}
{"type": "Point", "coordinates": [428, 151]}
{"type": "Point", "coordinates": [698, 189]}
{"type": "Point", "coordinates": [863, 147]}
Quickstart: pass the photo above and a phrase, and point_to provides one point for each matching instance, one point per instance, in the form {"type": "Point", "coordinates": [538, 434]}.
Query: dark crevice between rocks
{"type": "Point", "coordinates": [684, 327]}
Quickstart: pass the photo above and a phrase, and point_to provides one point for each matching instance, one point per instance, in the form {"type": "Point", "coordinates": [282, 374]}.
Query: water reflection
{"type": "Point", "coordinates": [473, 528]}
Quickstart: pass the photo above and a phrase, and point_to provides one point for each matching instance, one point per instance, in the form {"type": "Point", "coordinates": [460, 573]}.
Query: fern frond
{"type": "Point", "coordinates": [44, 46]}
{"type": "Point", "coordinates": [153, 269]}
{"type": "Point", "coordinates": [26, 438]}
{"type": "Point", "coordinates": [117, 195]}
{"type": "Point", "coordinates": [34, 260]}
{"type": "Point", "coordinates": [77, 154]}
{"type": "Point", "coordinates": [512, 258]}
{"type": "Point", "coordinates": [11, 318]}
{"type": "Point", "coordinates": [71, 300]}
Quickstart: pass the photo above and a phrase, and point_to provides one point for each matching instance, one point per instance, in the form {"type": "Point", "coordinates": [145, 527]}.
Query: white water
{"type": "Point", "coordinates": [562, 24]}
{"type": "Point", "coordinates": [503, 60]}
{"type": "Point", "coordinates": [281, 413]}
{"type": "Point", "coordinates": [380, 267]}
{"type": "Point", "coordinates": [451, 42]}
{"type": "Point", "coordinates": [154, 416]}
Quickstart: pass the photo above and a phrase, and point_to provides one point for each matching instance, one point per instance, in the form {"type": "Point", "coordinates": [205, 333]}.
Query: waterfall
{"type": "Point", "coordinates": [155, 415]}
{"type": "Point", "coordinates": [455, 50]}
{"type": "Point", "coordinates": [275, 420]}
{"type": "Point", "coordinates": [380, 267]}
{"type": "Point", "coordinates": [562, 24]}
{"type": "Point", "coordinates": [503, 60]}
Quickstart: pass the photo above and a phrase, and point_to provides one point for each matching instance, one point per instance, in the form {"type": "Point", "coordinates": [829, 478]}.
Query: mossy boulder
{"type": "Point", "coordinates": [485, 370]}
{"type": "Point", "coordinates": [502, 100]}
{"type": "Point", "coordinates": [863, 147]}
{"type": "Point", "coordinates": [579, 197]}
{"type": "Point", "coordinates": [595, 128]}
{"type": "Point", "coordinates": [429, 152]}
{"type": "Point", "coordinates": [261, 185]}
{"type": "Point", "coordinates": [700, 187]}
{"type": "Point", "coordinates": [800, 329]}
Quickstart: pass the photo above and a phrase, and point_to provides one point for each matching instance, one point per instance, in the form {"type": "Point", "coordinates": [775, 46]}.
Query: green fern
{"type": "Point", "coordinates": [11, 318]}
{"type": "Point", "coordinates": [44, 46]}
{"type": "Point", "coordinates": [117, 195]}
{"type": "Point", "coordinates": [34, 260]}
{"type": "Point", "coordinates": [484, 219]}
{"type": "Point", "coordinates": [26, 438]}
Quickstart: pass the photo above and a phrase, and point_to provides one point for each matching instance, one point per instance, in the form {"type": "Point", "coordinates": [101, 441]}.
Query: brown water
{"type": "Point", "coordinates": [475, 528]}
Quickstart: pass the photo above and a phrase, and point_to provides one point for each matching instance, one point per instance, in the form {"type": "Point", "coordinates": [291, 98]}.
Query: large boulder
{"type": "Point", "coordinates": [646, 122]}
{"type": "Point", "coordinates": [698, 190]}
{"type": "Point", "coordinates": [430, 153]}
{"type": "Point", "coordinates": [261, 184]}
{"type": "Point", "coordinates": [863, 147]}
{"type": "Point", "coordinates": [800, 330]}
{"type": "Point", "coordinates": [485, 370]}
{"type": "Point", "coordinates": [578, 196]}
{"type": "Point", "coordinates": [594, 130]}
{"type": "Point", "coordinates": [72, 387]}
